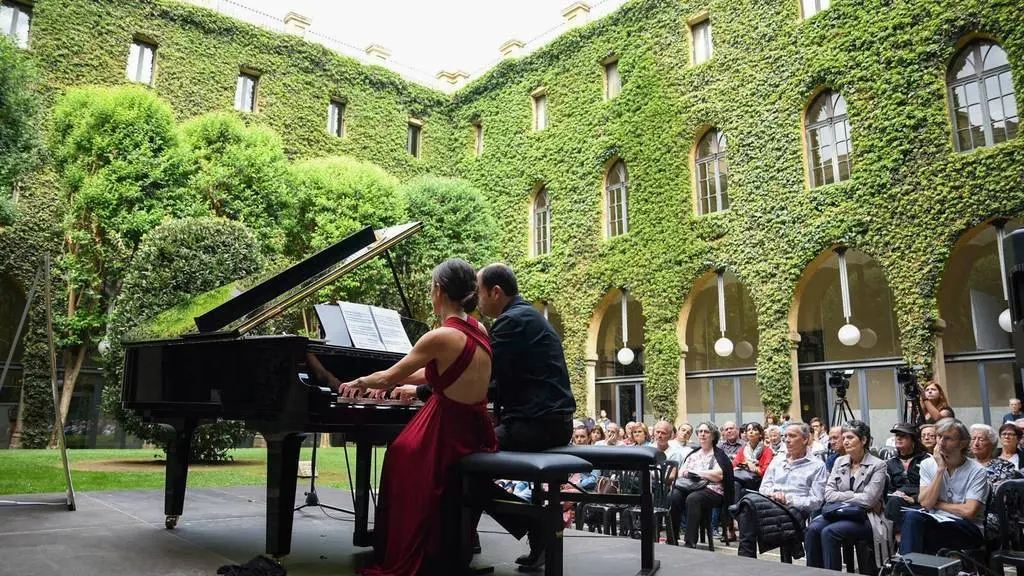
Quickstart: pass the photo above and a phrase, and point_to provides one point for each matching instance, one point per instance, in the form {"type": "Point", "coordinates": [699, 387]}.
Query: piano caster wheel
{"type": "Point", "coordinates": [170, 522]}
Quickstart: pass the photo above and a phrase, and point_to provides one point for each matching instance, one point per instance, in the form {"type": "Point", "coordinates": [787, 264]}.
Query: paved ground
{"type": "Point", "coordinates": [123, 533]}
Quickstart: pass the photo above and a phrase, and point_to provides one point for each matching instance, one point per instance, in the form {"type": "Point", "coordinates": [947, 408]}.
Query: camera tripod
{"type": "Point", "coordinates": [841, 410]}
{"type": "Point", "coordinates": [912, 413]}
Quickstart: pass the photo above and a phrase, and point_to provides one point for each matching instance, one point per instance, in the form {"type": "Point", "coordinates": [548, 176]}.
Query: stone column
{"type": "Point", "coordinates": [794, 405]}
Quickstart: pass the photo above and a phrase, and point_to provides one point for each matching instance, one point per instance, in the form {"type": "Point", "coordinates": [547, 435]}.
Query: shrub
{"type": "Point", "coordinates": [174, 262]}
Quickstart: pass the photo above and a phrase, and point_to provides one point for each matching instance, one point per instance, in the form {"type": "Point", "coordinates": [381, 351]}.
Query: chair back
{"type": "Point", "coordinates": [887, 452]}
{"type": "Point", "coordinates": [662, 479]}
{"type": "Point", "coordinates": [1008, 505]}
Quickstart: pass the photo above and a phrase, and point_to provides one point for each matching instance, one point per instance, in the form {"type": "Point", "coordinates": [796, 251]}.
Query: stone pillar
{"type": "Point", "coordinates": [576, 14]}
{"type": "Point", "coordinates": [591, 368]}
{"type": "Point", "coordinates": [295, 23]}
{"type": "Point", "coordinates": [938, 327]}
{"type": "Point", "coordinates": [681, 407]}
{"type": "Point", "coordinates": [378, 52]}
{"type": "Point", "coordinates": [511, 49]}
{"type": "Point", "coordinates": [794, 404]}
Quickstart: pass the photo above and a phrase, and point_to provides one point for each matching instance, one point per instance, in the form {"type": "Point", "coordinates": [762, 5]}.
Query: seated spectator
{"type": "Point", "coordinates": [627, 438]}
{"type": "Point", "coordinates": [770, 419]}
{"type": "Point", "coordinates": [933, 402]}
{"type": "Point", "coordinates": [852, 493]}
{"type": "Point", "coordinates": [578, 481]}
{"type": "Point", "coordinates": [683, 435]}
{"type": "Point", "coordinates": [774, 438]}
{"type": "Point", "coordinates": [796, 483]}
{"type": "Point", "coordinates": [597, 434]}
{"type": "Point", "coordinates": [953, 487]}
{"type": "Point", "coordinates": [730, 443]}
{"type": "Point", "coordinates": [1009, 437]}
{"type": "Point", "coordinates": [984, 448]}
{"type": "Point", "coordinates": [928, 438]}
{"type": "Point", "coordinates": [904, 471]}
{"type": "Point", "coordinates": [752, 460]}
{"type": "Point", "coordinates": [700, 485]}
{"type": "Point", "coordinates": [946, 412]}
{"type": "Point", "coordinates": [1014, 413]}
{"type": "Point", "coordinates": [819, 436]}
{"type": "Point", "coordinates": [639, 435]}
{"type": "Point", "coordinates": [836, 448]}
{"type": "Point", "coordinates": [611, 436]}
{"type": "Point", "coordinates": [663, 432]}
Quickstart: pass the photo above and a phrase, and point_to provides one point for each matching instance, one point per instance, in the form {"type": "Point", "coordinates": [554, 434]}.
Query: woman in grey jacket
{"type": "Point", "coordinates": [853, 491]}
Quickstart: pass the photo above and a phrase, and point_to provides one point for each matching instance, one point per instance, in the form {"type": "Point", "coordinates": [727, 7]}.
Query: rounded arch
{"type": "Point", "coordinates": [710, 172]}
{"type": "Point", "coordinates": [611, 386]}
{"type": "Point", "coordinates": [698, 326]}
{"type": "Point", "coordinates": [980, 94]}
{"type": "Point", "coordinates": [977, 351]}
{"type": "Point", "coordinates": [827, 142]}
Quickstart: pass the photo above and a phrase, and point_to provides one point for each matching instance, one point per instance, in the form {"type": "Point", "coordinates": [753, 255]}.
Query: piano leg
{"type": "Point", "coordinates": [177, 469]}
{"type": "Point", "coordinates": [282, 474]}
{"type": "Point", "coordinates": [361, 535]}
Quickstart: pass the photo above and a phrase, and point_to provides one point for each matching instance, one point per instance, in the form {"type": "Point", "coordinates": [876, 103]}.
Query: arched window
{"type": "Point", "coordinates": [829, 147]}
{"type": "Point", "coordinates": [981, 96]}
{"type": "Point", "coordinates": [617, 200]}
{"type": "Point", "coordinates": [712, 173]}
{"type": "Point", "coordinates": [541, 223]}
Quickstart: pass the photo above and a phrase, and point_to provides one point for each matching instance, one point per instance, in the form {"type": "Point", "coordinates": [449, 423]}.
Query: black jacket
{"type": "Point", "coordinates": [777, 525]}
{"type": "Point", "coordinates": [528, 373]}
{"type": "Point", "coordinates": [909, 480]}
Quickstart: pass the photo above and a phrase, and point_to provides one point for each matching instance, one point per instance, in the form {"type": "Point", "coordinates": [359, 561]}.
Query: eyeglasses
{"type": "Point", "coordinates": [1008, 435]}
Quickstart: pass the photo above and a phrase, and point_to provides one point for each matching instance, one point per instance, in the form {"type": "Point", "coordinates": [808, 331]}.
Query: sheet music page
{"type": "Point", "coordinates": [361, 326]}
{"type": "Point", "coordinates": [333, 323]}
{"type": "Point", "coordinates": [389, 325]}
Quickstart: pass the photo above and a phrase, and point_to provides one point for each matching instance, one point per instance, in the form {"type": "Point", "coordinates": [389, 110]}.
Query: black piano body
{"type": "Point", "coordinates": [267, 382]}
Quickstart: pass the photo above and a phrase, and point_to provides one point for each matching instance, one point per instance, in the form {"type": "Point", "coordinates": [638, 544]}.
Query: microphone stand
{"type": "Point", "coordinates": [311, 497]}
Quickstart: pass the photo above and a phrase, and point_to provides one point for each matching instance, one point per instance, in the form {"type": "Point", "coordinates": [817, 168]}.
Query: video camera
{"type": "Point", "coordinates": [906, 376]}
{"type": "Point", "coordinates": [839, 380]}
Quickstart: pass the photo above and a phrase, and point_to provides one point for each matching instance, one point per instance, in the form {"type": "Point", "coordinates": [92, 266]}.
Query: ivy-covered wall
{"type": "Point", "coordinates": [910, 197]}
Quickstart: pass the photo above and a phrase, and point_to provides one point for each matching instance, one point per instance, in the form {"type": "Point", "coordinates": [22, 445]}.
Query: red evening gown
{"type": "Point", "coordinates": [415, 472]}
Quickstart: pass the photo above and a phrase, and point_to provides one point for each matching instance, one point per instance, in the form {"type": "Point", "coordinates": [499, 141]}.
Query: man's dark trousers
{"type": "Point", "coordinates": [922, 533]}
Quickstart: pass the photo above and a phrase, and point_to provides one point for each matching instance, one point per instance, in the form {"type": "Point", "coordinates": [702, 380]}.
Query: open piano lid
{"type": "Point", "coordinates": [276, 294]}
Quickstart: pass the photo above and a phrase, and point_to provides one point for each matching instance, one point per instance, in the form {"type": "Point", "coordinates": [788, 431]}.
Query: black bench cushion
{"type": "Point", "coordinates": [614, 457]}
{"type": "Point", "coordinates": [523, 465]}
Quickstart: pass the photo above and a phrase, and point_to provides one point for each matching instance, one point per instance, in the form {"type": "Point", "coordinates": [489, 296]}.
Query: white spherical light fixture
{"type": "Point", "coordinates": [103, 346]}
{"type": "Point", "coordinates": [744, 349]}
{"type": "Point", "coordinates": [625, 356]}
{"type": "Point", "coordinates": [723, 346]}
{"type": "Point", "coordinates": [849, 335]}
{"type": "Point", "coordinates": [868, 338]}
{"type": "Point", "coordinates": [1005, 321]}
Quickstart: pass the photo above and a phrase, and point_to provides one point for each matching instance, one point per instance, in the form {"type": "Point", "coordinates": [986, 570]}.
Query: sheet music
{"type": "Point", "coordinates": [392, 332]}
{"type": "Point", "coordinates": [361, 327]}
{"type": "Point", "coordinates": [333, 323]}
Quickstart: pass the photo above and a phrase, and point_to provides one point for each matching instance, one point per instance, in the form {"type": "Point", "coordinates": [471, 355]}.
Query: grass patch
{"type": "Point", "coordinates": [39, 471]}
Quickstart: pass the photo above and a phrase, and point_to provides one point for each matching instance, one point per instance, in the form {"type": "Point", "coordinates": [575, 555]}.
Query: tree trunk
{"type": "Point", "coordinates": [19, 420]}
{"type": "Point", "coordinates": [71, 371]}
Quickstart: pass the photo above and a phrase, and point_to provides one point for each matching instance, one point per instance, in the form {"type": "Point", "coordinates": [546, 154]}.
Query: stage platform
{"type": "Point", "coordinates": [123, 533]}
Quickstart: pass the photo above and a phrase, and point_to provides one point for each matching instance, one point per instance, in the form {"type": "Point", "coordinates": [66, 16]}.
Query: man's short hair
{"type": "Point", "coordinates": [953, 424]}
{"type": "Point", "coordinates": [502, 276]}
{"type": "Point", "coordinates": [803, 428]}
{"type": "Point", "coordinates": [670, 425]}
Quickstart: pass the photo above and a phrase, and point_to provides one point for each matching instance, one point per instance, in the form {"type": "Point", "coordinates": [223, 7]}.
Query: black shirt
{"type": "Point", "coordinates": [528, 373]}
{"type": "Point", "coordinates": [909, 480]}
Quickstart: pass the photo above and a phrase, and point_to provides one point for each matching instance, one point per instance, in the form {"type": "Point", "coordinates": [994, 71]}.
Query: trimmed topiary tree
{"type": "Point", "coordinates": [238, 172]}
{"type": "Point", "coordinates": [176, 261]}
{"type": "Point", "coordinates": [456, 223]}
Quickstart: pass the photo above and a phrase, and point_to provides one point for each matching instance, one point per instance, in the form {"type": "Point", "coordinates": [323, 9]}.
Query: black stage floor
{"type": "Point", "coordinates": [123, 533]}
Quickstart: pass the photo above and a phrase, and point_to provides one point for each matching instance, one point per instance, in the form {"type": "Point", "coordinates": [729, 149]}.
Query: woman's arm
{"type": "Point", "coordinates": [931, 409]}
{"type": "Point", "coordinates": [424, 351]}
{"type": "Point", "coordinates": [713, 474]}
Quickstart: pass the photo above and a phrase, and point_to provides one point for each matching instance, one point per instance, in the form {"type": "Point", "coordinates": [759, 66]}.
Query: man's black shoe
{"type": "Point", "coordinates": [532, 562]}
{"type": "Point", "coordinates": [476, 543]}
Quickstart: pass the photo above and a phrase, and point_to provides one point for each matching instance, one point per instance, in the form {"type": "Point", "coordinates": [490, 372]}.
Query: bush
{"type": "Point", "coordinates": [175, 262]}
{"type": "Point", "coordinates": [8, 212]}
{"type": "Point", "coordinates": [334, 198]}
{"type": "Point", "coordinates": [240, 173]}
{"type": "Point", "coordinates": [456, 223]}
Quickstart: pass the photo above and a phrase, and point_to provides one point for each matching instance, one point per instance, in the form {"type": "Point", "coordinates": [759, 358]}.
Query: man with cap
{"type": "Point", "coordinates": [904, 470]}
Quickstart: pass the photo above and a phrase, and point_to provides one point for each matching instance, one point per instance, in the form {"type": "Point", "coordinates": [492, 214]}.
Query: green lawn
{"type": "Point", "coordinates": [35, 471]}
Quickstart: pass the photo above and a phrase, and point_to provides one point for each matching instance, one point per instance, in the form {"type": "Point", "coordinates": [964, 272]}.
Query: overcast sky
{"type": "Point", "coordinates": [428, 35]}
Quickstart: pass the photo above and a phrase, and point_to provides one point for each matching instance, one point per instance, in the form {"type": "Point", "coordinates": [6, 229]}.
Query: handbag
{"type": "Point", "coordinates": [687, 484]}
{"type": "Point", "coordinates": [836, 511]}
{"type": "Point", "coordinates": [746, 477]}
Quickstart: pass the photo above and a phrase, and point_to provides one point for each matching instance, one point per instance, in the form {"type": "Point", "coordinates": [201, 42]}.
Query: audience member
{"type": "Point", "coordinates": [683, 435]}
{"type": "Point", "coordinates": [983, 447]}
{"type": "Point", "coordinates": [701, 482]}
{"type": "Point", "coordinates": [627, 437]}
{"type": "Point", "coordinates": [817, 432]}
{"type": "Point", "coordinates": [597, 434]}
{"type": "Point", "coordinates": [928, 438]}
{"type": "Point", "coordinates": [730, 443]}
{"type": "Point", "coordinates": [904, 471]}
{"type": "Point", "coordinates": [795, 481]}
{"type": "Point", "coordinates": [639, 435]}
{"type": "Point", "coordinates": [602, 419]}
{"type": "Point", "coordinates": [933, 401]}
{"type": "Point", "coordinates": [836, 448]}
{"type": "Point", "coordinates": [611, 436]}
{"type": "Point", "coordinates": [774, 438]}
{"type": "Point", "coordinates": [853, 493]}
{"type": "Point", "coordinates": [751, 461]}
{"type": "Point", "coordinates": [1015, 412]}
{"type": "Point", "coordinates": [1009, 436]}
{"type": "Point", "coordinates": [953, 488]}
{"type": "Point", "coordinates": [663, 433]}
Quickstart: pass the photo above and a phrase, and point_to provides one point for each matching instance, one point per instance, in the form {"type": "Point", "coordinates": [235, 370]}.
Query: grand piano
{"type": "Point", "coordinates": [224, 371]}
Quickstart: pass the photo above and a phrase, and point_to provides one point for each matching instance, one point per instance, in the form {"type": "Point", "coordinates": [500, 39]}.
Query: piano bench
{"type": "Point", "coordinates": [547, 472]}
{"type": "Point", "coordinates": [643, 459]}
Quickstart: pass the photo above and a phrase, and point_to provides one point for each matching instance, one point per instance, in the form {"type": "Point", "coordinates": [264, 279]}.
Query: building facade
{"type": "Point", "coordinates": [735, 197]}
